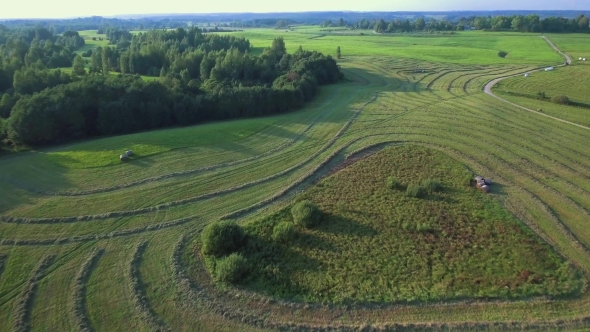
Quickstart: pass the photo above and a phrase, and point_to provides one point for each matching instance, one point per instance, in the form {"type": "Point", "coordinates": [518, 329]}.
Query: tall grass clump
{"type": "Point", "coordinates": [432, 185]}
{"type": "Point", "coordinates": [306, 214]}
{"type": "Point", "coordinates": [231, 269]}
{"type": "Point", "coordinates": [392, 183]}
{"type": "Point", "coordinates": [415, 191]}
{"type": "Point", "coordinates": [283, 232]}
{"type": "Point", "coordinates": [560, 100]}
{"type": "Point", "coordinates": [221, 238]}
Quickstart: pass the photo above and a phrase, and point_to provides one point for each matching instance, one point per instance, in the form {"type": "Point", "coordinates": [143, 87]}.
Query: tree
{"type": "Point", "coordinates": [338, 53]}
{"type": "Point", "coordinates": [341, 22]}
{"type": "Point", "coordinates": [96, 64]}
{"type": "Point", "coordinates": [419, 24]}
{"type": "Point", "coordinates": [381, 26]}
{"type": "Point", "coordinates": [106, 54]}
{"type": "Point", "coordinates": [583, 23]}
{"type": "Point", "coordinates": [79, 66]}
{"type": "Point", "coordinates": [517, 23]}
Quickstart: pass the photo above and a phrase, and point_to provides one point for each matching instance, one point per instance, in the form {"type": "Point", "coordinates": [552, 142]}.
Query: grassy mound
{"type": "Point", "coordinates": [375, 244]}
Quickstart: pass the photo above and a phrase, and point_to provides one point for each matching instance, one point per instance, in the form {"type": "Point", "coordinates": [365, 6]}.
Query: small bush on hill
{"type": "Point", "coordinates": [432, 185]}
{"type": "Point", "coordinates": [415, 191]}
{"type": "Point", "coordinates": [541, 95]}
{"type": "Point", "coordinates": [283, 232]}
{"type": "Point", "coordinates": [305, 214]}
{"type": "Point", "coordinates": [222, 238]}
{"type": "Point", "coordinates": [231, 269]}
{"type": "Point", "coordinates": [502, 54]}
{"type": "Point", "coordinates": [561, 100]}
{"type": "Point", "coordinates": [393, 183]}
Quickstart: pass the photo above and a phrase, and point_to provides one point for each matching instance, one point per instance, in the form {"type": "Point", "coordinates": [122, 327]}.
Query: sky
{"type": "Point", "coordinates": [69, 8]}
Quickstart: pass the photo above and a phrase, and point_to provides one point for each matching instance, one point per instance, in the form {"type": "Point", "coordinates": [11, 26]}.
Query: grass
{"type": "Point", "coordinates": [455, 243]}
{"type": "Point", "coordinates": [463, 47]}
{"type": "Point", "coordinates": [250, 169]}
{"type": "Point", "coordinates": [571, 81]}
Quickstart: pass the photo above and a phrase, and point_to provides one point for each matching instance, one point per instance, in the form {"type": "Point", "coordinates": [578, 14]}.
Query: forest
{"type": "Point", "coordinates": [203, 77]}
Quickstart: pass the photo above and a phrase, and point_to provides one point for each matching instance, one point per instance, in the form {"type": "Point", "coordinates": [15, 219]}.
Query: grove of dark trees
{"type": "Point", "coordinates": [202, 77]}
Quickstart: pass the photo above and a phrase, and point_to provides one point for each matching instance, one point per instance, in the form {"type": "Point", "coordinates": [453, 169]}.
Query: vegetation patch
{"type": "Point", "coordinates": [375, 244]}
{"type": "Point", "coordinates": [561, 100]}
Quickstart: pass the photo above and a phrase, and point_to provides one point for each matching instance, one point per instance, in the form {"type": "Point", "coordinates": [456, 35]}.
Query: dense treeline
{"type": "Point", "coordinates": [530, 23]}
{"type": "Point", "coordinates": [27, 55]}
{"type": "Point", "coordinates": [202, 78]}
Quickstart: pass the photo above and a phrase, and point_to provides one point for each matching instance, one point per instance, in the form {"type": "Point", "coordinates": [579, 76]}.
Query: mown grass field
{"type": "Point", "coordinates": [59, 206]}
{"type": "Point", "coordinates": [571, 81]}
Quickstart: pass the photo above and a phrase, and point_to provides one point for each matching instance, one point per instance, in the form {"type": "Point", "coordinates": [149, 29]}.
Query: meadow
{"type": "Point", "coordinates": [376, 244]}
{"type": "Point", "coordinates": [89, 243]}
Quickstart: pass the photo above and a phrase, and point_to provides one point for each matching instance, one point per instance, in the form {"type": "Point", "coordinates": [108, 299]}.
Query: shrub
{"type": "Point", "coordinates": [561, 100]}
{"type": "Point", "coordinates": [305, 214]}
{"type": "Point", "coordinates": [415, 191]}
{"type": "Point", "coordinates": [432, 185]}
{"type": "Point", "coordinates": [231, 269]}
{"type": "Point", "coordinates": [283, 232]}
{"type": "Point", "coordinates": [222, 237]}
{"type": "Point", "coordinates": [392, 183]}
{"type": "Point", "coordinates": [502, 54]}
{"type": "Point", "coordinates": [541, 95]}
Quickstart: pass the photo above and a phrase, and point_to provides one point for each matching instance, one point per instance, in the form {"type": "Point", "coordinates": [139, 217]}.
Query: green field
{"type": "Point", "coordinates": [475, 48]}
{"type": "Point", "coordinates": [375, 244]}
{"type": "Point", "coordinates": [60, 205]}
{"type": "Point", "coordinates": [571, 81]}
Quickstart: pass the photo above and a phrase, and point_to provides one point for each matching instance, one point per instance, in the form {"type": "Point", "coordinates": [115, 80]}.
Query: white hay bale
{"type": "Point", "coordinates": [485, 189]}
{"type": "Point", "coordinates": [584, 59]}
{"type": "Point", "coordinates": [123, 157]}
{"type": "Point", "coordinates": [580, 58]}
{"type": "Point", "coordinates": [526, 75]}
{"type": "Point", "coordinates": [129, 153]}
{"type": "Point", "coordinates": [488, 181]}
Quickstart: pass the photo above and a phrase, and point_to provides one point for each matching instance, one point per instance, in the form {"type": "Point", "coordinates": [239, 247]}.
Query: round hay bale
{"type": "Point", "coordinates": [129, 153]}
{"type": "Point", "coordinates": [580, 58]}
{"type": "Point", "coordinates": [123, 157]}
{"type": "Point", "coordinates": [488, 181]}
{"type": "Point", "coordinates": [485, 189]}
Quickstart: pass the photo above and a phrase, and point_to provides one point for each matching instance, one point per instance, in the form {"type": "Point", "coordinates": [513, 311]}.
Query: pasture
{"type": "Point", "coordinates": [87, 242]}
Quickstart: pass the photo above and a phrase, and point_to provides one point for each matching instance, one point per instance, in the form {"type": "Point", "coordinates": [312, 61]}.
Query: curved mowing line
{"type": "Point", "coordinates": [198, 295]}
{"type": "Point", "coordinates": [164, 206]}
{"type": "Point", "coordinates": [139, 296]}
{"type": "Point", "coordinates": [490, 85]}
{"type": "Point", "coordinates": [555, 148]}
{"type": "Point", "coordinates": [177, 222]}
{"type": "Point", "coordinates": [78, 309]}
{"type": "Point", "coordinates": [24, 303]}
{"type": "Point", "coordinates": [514, 170]}
{"type": "Point", "coordinates": [173, 174]}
